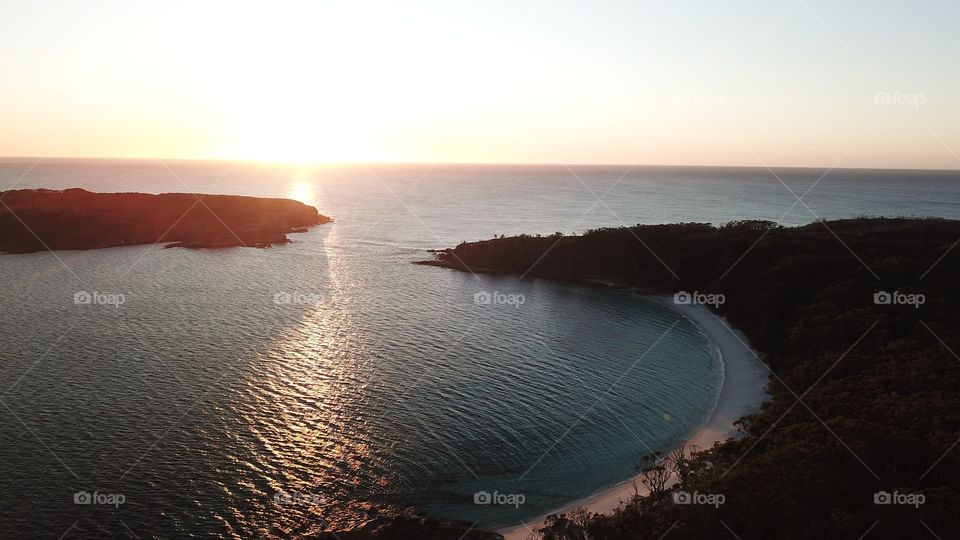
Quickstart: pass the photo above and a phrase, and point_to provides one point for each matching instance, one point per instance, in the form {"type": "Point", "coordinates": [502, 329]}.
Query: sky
{"type": "Point", "coordinates": [746, 82]}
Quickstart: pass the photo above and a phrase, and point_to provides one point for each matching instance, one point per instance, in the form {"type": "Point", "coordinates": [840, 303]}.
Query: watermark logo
{"type": "Point", "coordinates": [897, 298]}
{"type": "Point", "coordinates": [908, 499]}
{"type": "Point", "coordinates": [84, 298]}
{"type": "Point", "coordinates": [899, 98]}
{"type": "Point", "coordinates": [285, 298]}
{"type": "Point", "coordinates": [498, 298]}
{"type": "Point", "coordinates": [294, 497]}
{"type": "Point", "coordinates": [710, 499]}
{"type": "Point", "coordinates": [499, 499]}
{"type": "Point", "coordinates": [111, 499]}
{"type": "Point", "coordinates": [698, 298]}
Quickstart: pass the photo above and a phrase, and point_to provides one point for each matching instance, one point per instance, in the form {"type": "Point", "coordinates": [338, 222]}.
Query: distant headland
{"type": "Point", "coordinates": [34, 220]}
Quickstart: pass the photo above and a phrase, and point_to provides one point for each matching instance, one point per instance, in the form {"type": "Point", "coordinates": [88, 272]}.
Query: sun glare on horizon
{"type": "Point", "coordinates": [302, 190]}
{"type": "Point", "coordinates": [305, 82]}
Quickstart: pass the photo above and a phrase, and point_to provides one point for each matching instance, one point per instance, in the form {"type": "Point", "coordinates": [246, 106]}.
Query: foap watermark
{"type": "Point", "coordinates": [111, 499]}
{"type": "Point", "coordinates": [884, 97]}
{"type": "Point", "coordinates": [499, 499]}
{"type": "Point", "coordinates": [295, 497]}
{"type": "Point", "coordinates": [499, 298]}
{"type": "Point", "coordinates": [698, 298]}
{"type": "Point", "coordinates": [710, 499]}
{"type": "Point", "coordinates": [907, 499]}
{"type": "Point", "coordinates": [95, 298]}
{"type": "Point", "coordinates": [285, 298]}
{"type": "Point", "coordinates": [897, 298]}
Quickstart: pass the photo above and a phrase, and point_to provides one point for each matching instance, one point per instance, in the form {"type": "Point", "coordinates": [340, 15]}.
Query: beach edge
{"type": "Point", "coordinates": [742, 393]}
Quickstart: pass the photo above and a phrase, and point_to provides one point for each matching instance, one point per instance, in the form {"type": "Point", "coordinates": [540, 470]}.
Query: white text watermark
{"type": "Point", "coordinates": [908, 499]}
{"type": "Point", "coordinates": [499, 298]}
{"type": "Point", "coordinates": [710, 499]}
{"type": "Point", "coordinates": [499, 499]}
{"type": "Point", "coordinates": [284, 298]}
{"type": "Point", "coordinates": [294, 497]}
{"type": "Point", "coordinates": [698, 298]}
{"type": "Point", "coordinates": [84, 298]}
{"type": "Point", "coordinates": [899, 98]}
{"type": "Point", "coordinates": [111, 499]}
{"type": "Point", "coordinates": [897, 298]}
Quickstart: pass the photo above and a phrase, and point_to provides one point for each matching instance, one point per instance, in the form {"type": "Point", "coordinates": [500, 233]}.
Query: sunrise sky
{"type": "Point", "coordinates": [793, 82]}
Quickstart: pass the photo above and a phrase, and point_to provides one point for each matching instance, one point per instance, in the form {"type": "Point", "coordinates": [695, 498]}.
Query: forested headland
{"type": "Point", "coordinates": [42, 219]}
{"type": "Point", "coordinates": [857, 320]}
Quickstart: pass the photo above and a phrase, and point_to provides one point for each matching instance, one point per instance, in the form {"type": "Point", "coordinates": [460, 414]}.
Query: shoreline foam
{"type": "Point", "coordinates": [742, 392]}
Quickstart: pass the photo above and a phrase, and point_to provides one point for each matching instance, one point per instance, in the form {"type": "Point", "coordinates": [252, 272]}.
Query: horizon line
{"type": "Point", "coordinates": [468, 163]}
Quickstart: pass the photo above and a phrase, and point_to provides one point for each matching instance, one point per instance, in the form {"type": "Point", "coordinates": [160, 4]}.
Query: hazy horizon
{"type": "Point", "coordinates": [321, 164]}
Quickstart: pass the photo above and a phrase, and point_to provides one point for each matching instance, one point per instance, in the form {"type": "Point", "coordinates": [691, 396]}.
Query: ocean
{"type": "Point", "coordinates": [254, 392]}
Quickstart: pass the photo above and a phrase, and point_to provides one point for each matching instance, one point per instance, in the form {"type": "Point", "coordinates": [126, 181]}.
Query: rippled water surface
{"type": "Point", "coordinates": [384, 384]}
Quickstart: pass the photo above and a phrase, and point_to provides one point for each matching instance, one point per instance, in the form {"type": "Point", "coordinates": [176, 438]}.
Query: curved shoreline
{"type": "Point", "coordinates": [742, 392]}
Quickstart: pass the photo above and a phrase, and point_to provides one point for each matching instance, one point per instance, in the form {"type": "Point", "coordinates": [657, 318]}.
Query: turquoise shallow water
{"type": "Point", "coordinates": [199, 398]}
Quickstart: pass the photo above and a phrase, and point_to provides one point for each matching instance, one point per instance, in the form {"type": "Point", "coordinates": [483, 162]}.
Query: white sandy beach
{"type": "Point", "coordinates": [742, 392]}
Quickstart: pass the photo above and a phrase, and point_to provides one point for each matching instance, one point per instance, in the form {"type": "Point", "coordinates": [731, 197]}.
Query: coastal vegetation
{"type": "Point", "coordinates": [856, 320]}
{"type": "Point", "coordinates": [40, 219]}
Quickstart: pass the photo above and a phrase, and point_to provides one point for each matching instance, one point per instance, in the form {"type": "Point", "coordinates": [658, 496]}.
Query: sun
{"type": "Point", "coordinates": [302, 190]}
{"type": "Point", "coordinates": [303, 121]}
{"type": "Point", "coordinates": [298, 141]}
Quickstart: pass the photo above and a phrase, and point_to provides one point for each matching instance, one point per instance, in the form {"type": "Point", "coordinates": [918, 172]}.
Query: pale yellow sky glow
{"type": "Point", "coordinates": [760, 82]}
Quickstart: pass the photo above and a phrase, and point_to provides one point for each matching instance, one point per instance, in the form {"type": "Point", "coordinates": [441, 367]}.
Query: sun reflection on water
{"type": "Point", "coordinates": [302, 187]}
{"type": "Point", "coordinates": [305, 406]}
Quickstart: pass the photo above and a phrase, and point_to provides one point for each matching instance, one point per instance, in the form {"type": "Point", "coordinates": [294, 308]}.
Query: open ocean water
{"type": "Point", "coordinates": [202, 407]}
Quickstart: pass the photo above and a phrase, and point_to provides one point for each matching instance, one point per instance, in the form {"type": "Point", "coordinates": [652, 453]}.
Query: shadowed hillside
{"type": "Point", "coordinates": [39, 219]}
{"type": "Point", "coordinates": [857, 320]}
